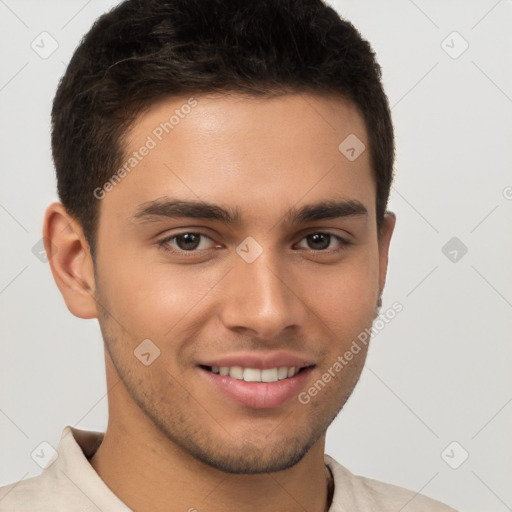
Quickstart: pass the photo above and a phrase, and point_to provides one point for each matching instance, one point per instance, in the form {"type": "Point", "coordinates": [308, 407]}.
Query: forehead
{"type": "Point", "coordinates": [246, 152]}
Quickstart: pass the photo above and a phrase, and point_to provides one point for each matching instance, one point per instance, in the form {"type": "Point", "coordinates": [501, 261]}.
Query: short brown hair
{"type": "Point", "coordinates": [144, 50]}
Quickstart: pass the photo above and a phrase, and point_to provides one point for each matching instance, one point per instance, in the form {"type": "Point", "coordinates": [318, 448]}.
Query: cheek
{"type": "Point", "coordinates": [151, 299]}
{"type": "Point", "coordinates": [345, 294]}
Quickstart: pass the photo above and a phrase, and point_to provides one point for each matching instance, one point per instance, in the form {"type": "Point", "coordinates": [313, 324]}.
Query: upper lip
{"type": "Point", "coordinates": [259, 360]}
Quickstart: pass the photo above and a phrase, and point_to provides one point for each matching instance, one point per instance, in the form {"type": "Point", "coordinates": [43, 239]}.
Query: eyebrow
{"type": "Point", "coordinates": [153, 211]}
{"type": "Point", "coordinates": [327, 210]}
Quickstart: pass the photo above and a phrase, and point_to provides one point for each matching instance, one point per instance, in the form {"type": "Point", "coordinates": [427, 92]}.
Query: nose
{"type": "Point", "coordinates": [261, 300]}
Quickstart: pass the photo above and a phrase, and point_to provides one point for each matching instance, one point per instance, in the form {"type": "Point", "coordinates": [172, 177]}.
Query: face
{"type": "Point", "coordinates": [243, 245]}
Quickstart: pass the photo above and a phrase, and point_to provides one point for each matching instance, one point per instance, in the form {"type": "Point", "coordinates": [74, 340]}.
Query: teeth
{"type": "Point", "coordinates": [237, 372]}
{"type": "Point", "coordinates": [251, 375]}
{"type": "Point", "coordinates": [256, 375]}
{"type": "Point", "coordinates": [282, 373]}
{"type": "Point", "coordinates": [269, 375]}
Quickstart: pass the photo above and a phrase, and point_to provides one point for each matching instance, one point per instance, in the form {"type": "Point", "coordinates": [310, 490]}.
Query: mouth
{"type": "Point", "coordinates": [257, 388]}
{"type": "Point", "coordinates": [267, 375]}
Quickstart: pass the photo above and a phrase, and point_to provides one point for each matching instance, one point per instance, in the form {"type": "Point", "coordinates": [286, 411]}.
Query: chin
{"type": "Point", "coordinates": [253, 460]}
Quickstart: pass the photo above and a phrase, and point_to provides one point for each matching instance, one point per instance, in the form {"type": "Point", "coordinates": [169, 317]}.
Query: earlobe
{"type": "Point", "coordinates": [70, 261]}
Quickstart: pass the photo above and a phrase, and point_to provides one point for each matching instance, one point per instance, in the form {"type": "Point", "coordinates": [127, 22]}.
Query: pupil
{"type": "Point", "coordinates": [188, 241]}
{"type": "Point", "coordinates": [319, 241]}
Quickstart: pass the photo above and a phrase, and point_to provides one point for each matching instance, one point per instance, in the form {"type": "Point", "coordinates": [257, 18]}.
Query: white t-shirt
{"type": "Point", "coordinates": [70, 484]}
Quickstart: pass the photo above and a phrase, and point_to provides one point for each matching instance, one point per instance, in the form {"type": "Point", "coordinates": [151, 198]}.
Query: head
{"type": "Point", "coordinates": [209, 205]}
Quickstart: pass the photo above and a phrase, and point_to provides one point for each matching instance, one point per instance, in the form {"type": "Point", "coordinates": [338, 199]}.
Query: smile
{"type": "Point", "coordinates": [255, 374]}
{"type": "Point", "coordinates": [260, 388]}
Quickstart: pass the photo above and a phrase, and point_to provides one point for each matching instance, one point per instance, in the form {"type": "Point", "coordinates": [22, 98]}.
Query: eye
{"type": "Point", "coordinates": [321, 241]}
{"type": "Point", "coordinates": [187, 242]}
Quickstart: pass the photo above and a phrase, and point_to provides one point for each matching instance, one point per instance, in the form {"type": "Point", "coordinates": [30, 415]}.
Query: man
{"type": "Point", "coordinates": [224, 169]}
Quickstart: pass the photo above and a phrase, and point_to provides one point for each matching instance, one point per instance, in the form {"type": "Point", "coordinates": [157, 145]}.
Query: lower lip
{"type": "Point", "coordinates": [258, 395]}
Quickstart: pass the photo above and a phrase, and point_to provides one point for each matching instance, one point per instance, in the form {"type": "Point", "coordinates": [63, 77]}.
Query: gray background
{"type": "Point", "coordinates": [438, 373]}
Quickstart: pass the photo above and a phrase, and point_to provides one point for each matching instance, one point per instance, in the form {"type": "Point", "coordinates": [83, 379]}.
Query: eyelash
{"type": "Point", "coordinates": [164, 244]}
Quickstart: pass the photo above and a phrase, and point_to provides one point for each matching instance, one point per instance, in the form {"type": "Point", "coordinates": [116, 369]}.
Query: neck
{"type": "Point", "coordinates": [146, 480]}
{"type": "Point", "coordinates": [148, 472]}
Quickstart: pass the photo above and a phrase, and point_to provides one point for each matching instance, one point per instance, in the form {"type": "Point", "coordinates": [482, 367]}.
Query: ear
{"type": "Point", "coordinates": [70, 261]}
{"type": "Point", "coordinates": [386, 230]}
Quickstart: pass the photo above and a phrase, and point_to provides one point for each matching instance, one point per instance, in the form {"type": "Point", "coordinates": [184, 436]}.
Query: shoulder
{"type": "Point", "coordinates": [398, 498]}
{"type": "Point", "coordinates": [67, 482]}
{"type": "Point", "coordinates": [26, 495]}
{"type": "Point", "coordinates": [366, 494]}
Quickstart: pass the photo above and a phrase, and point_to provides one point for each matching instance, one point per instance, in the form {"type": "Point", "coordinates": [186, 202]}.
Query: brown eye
{"type": "Point", "coordinates": [188, 241]}
{"type": "Point", "coordinates": [318, 241]}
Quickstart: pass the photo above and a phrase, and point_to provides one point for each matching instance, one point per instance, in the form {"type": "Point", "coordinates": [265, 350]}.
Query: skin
{"type": "Point", "coordinates": [173, 441]}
